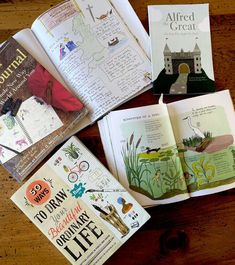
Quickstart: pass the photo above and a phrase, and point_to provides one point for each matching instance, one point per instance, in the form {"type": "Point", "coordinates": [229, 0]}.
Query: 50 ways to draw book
{"type": "Point", "coordinates": [169, 152]}
{"type": "Point", "coordinates": [80, 206]}
{"type": "Point", "coordinates": [181, 49]}
{"type": "Point", "coordinates": [97, 48]}
{"type": "Point", "coordinates": [46, 112]}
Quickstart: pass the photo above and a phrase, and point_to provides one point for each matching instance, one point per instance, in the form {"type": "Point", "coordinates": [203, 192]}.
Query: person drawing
{"type": "Point", "coordinates": [62, 51]}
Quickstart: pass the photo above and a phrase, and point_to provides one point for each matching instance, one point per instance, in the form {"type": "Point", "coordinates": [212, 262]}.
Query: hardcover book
{"type": "Point", "coordinates": [80, 206]}
{"type": "Point", "coordinates": [181, 49]}
{"type": "Point", "coordinates": [170, 152]}
{"type": "Point", "coordinates": [37, 111]}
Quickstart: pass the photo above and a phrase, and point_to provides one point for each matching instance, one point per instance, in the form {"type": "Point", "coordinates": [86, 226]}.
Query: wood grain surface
{"type": "Point", "coordinates": [197, 231]}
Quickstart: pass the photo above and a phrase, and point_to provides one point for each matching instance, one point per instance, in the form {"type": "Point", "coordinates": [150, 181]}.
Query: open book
{"type": "Point", "coordinates": [37, 111]}
{"type": "Point", "coordinates": [80, 206]}
{"type": "Point", "coordinates": [96, 48]}
{"type": "Point", "coordinates": [169, 152]}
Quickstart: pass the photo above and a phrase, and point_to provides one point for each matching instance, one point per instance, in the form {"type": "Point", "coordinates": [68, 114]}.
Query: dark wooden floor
{"type": "Point", "coordinates": [197, 231]}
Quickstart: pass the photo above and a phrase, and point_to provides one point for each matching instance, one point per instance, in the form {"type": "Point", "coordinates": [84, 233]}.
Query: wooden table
{"type": "Point", "coordinates": [197, 231]}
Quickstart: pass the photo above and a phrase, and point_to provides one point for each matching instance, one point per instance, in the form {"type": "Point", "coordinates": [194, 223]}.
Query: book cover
{"type": "Point", "coordinates": [181, 49]}
{"type": "Point", "coordinates": [36, 110]}
{"type": "Point", "coordinates": [80, 206]}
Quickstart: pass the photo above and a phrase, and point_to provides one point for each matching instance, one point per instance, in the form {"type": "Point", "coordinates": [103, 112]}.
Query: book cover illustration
{"type": "Point", "coordinates": [80, 206]}
{"type": "Point", "coordinates": [206, 149]}
{"type": "Point", "coordinates": [181, 49]}
{"type": "Point", "coordinates": [93, 50]}
{"type": "Point", "coordinates": [36, 110]}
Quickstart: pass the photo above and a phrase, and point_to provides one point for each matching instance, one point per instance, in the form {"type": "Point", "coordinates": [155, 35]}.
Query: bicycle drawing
{"type": "Point", "coordinates": [76, 170]}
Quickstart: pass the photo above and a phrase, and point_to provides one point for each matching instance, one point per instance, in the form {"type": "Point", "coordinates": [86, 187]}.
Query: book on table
{"type": "Point", "coordinates": [81, 208]}
{"type": "Point", "coordinates": [181, 49]}
{"type": "Point", "coordinates": [96, 51]}
{"type": "Point", "coordinates": [99, 49]}
{"type": "Point", "coordinates": [37, 111]}
{"type": "Point", "coordinates": [165, 153]}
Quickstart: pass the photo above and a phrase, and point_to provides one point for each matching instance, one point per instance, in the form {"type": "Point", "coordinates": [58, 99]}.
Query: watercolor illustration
{"type": "Point", "coordinates": [183, 73]}
{"type": "Point", "coordinates": [155, 172]}
{"type": "Point", "coordinates": [203, 157]}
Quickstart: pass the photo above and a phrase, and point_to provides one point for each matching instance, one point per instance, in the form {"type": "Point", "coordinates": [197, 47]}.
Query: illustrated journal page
{"type": "Point", "coordinates": [94, 52]}
{"type": "Point", "coordinates": [204, 131]}
{"type": "Point", "coordinates": [146, 156]}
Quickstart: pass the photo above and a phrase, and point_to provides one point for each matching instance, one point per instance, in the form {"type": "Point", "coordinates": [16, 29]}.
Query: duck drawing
{"type": "Point", "coordinates": [105, 15]}
{"type": "Point", "coordinates": [195, 129]}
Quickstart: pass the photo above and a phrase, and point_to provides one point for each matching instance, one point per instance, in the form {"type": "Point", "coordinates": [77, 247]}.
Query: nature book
{"type": "Point", "coordinates": [97, 49]}
{"type": "Point", "coordinates": [37, 111]}
{"type": "Point", "coordinates": [169, 152]}
{"type": "Point", "coordinates": [181, 49]}
{"type": "Point", "coordinates": [82, 209]}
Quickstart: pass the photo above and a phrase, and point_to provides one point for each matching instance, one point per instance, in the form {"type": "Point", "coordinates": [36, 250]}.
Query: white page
{"type": "Point", "coordinates": [211, 169]}
{"type": "Point", "coordinates": [103, 69]}
{"type": "Point", "coordinates": [134, 24]}
{"type": "Point", "coordinates": [145, 135]}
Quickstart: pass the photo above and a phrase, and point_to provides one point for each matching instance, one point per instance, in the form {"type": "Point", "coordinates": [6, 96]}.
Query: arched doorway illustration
{"type": "Point", "coordinates": [184, 68]}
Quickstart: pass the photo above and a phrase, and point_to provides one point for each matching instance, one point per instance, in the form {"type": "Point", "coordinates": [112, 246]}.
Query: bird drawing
{"type": "Point", "coordinates": [195, 129]}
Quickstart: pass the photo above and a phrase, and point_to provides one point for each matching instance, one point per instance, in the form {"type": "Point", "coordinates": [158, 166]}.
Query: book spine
{"type": "Point", "coordinates": [24, 130]}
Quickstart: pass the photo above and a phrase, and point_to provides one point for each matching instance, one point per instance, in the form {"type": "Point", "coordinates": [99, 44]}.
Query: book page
{"type": "Point", "coordinates": [29, 42]}
{"type": "Point", "coordinates": [34, 121]}
{"type": "Point", "coordinates": [204, 130]}
{"type": "Point", "coordinates": [145, 153]}
{"type": "Point", "coordinates": [133, 23]}
{"type": "Point", "coordinates": [94, 52]}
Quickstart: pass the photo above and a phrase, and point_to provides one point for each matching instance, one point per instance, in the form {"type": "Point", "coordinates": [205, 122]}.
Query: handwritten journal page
{"type": "Point", "coordinates": [94, 52]}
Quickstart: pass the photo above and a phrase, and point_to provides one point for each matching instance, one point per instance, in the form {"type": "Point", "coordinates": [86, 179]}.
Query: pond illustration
{"type": "Point", "coordinates": [155, 173]}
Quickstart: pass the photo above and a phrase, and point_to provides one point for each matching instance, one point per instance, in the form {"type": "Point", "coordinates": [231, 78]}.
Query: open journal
{"type": "Point", "coordinates": [37, 111]}
{"type": "Point", "coordinates": [98, 49]}
{"type": "Point", "coordinates": [169, 152]}
{"type": "Point", "coordinates": [80, 206]}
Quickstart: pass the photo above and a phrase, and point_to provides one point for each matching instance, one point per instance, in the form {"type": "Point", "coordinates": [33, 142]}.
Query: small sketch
{"type": "Point", "coordinates": [89, 8]}
{"type": "Point", "coordinates": [21, 142]}
{"type": "Point", "coordinates": [195, 129]}
{"type": "Point", "coordinates": [104, 16]}
{"type": "Point", "coordinates": [62, 51]}
{"type": "Point", "coordinates": [113, 41]}
{"type": "Point", "coordinates": [72, 151]}
{"type": "Point", "coordinates": [110, 215]}
{"type": "Point", "coordinates": [9, 121]}
{"type": "Point", "coordinates": [147, 76]}
{"type": "Point", "coordinates": [126, 207]}
{"type": "Point", "coordinates": [70, 44]}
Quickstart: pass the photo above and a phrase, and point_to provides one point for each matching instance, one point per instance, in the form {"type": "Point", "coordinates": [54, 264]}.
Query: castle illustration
{"type": "Point", "coordinates": [182, 62]}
